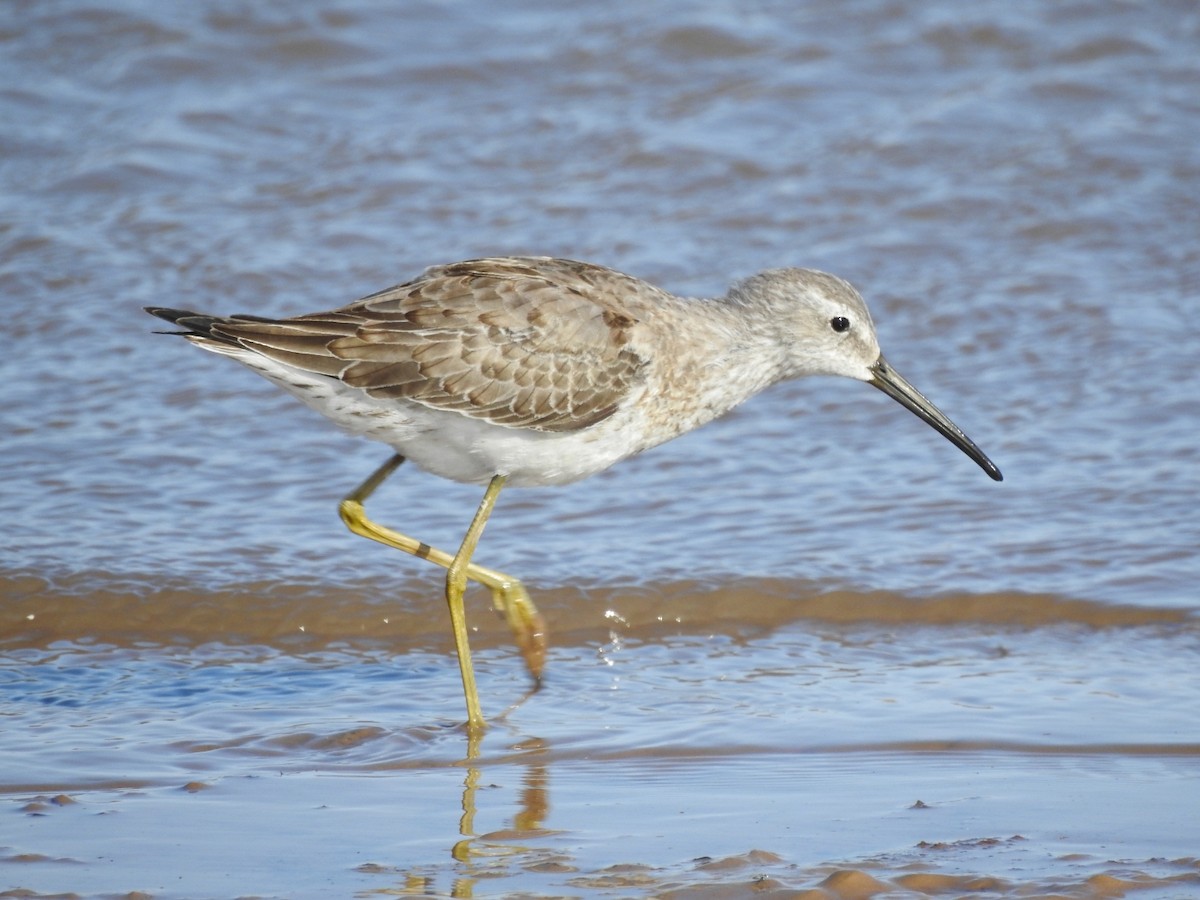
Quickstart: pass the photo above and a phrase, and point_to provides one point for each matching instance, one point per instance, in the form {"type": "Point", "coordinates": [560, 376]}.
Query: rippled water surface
{"type": "Point", "coordinates": [808, 648]}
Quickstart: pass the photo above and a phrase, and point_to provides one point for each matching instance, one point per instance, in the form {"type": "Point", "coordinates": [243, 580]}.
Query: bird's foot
{"type": "Point", "coordinates": [528, 627]}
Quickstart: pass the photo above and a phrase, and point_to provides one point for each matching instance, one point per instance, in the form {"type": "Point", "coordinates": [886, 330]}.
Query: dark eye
{"type": "Point", "coordinates": [839, 324]}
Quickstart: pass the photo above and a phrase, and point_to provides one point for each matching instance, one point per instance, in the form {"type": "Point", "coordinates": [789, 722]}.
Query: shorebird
{"type": "Point", "coordinates": [543, 371]}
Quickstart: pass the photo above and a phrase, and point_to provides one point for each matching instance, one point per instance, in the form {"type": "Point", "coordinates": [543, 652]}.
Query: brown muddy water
{"type": "Point", "coordinates": [807, 651]}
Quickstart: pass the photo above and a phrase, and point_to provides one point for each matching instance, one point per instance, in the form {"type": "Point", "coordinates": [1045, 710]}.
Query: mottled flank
{"type": "Point", "coordinates": [535, 344]}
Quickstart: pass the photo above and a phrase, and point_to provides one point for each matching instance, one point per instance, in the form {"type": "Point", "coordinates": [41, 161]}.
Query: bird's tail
{"type": "Point", "coordinates": [198, 325]}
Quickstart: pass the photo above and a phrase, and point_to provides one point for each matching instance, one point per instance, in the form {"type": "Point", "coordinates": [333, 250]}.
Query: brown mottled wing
{"type": "Point", "coordinates": [525, 342]}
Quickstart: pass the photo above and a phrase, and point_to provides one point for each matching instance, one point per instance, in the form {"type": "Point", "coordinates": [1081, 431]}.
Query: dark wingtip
{"type": "Point", "coordinates": [171, 315]}
{"type": "Point", "coordinates": [193, 323]}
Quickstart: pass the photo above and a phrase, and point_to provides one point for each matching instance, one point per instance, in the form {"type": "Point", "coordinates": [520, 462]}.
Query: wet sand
{"type": "Point", "coordinates": [832, 746]}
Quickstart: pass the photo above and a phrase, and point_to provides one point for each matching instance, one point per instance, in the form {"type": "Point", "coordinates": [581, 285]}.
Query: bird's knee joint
{"type": "Point", "coordinates": [351, 513]}
{"type": "Point", "coordinates": [456, 579]}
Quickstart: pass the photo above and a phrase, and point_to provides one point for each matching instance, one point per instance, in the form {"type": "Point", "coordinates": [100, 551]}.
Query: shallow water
{"type": "Point", "coordinates": [807, 648]}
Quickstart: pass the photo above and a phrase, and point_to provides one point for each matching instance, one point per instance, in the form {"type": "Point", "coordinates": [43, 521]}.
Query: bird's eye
{"type": "Point", "coordinates": [839, 324]}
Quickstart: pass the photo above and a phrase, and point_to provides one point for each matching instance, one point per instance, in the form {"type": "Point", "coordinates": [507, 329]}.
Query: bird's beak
{"type": "Point", "coordinates": [885, 378]}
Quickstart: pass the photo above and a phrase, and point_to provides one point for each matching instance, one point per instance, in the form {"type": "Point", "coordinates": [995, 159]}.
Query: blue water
{"type": "Point", "coordinates": [1010, 185]}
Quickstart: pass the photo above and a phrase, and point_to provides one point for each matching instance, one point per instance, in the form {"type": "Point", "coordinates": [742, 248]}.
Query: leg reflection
{"type": "Point", "coordinates": [495, 849]}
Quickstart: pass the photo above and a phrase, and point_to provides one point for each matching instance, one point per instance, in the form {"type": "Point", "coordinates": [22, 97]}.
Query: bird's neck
{"type": "Point", "coordinates": [717, 361]}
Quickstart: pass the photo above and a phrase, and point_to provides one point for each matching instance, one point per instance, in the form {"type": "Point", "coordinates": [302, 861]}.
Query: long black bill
{"type": "Point", "coordinates": [885, 378]}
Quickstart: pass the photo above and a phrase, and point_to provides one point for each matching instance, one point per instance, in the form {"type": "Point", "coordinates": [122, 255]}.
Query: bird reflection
{"type": "Point", "coordinates": [488, 855]}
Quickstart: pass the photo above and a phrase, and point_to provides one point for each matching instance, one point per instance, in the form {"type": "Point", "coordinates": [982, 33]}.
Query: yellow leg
{"type": "Point", "coordinates": [508, 594]}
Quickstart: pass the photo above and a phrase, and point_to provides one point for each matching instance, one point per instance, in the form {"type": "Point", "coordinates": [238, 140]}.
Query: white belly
{"type": "Point", "coordinates": [458, 447]}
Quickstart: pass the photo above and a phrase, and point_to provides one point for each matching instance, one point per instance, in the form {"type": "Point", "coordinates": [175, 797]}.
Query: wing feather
{"type": "Point", "coordinates": [525, 342]}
